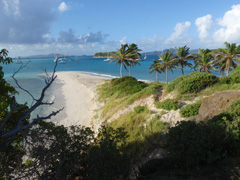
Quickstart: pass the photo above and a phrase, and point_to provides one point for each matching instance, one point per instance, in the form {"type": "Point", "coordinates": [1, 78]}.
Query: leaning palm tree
{"type": "Point", "coordinates": [156, 66]}
{"type": "Point", "coordinates": [127, 55]}
{"type": "Point", "coordinates": [167, 62]}
{"type": "Point", "coordinates": [226, 59]}
{"type": "Point", "coordinates": [204, 60]}
{"type": "Point", "coordinates": [136, 56]}
{"type": "Point", "coordinates": [182, 56]}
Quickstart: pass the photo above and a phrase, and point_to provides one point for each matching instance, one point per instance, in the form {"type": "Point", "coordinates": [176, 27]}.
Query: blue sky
{"type": "Point", "coordinates": [80, 27]}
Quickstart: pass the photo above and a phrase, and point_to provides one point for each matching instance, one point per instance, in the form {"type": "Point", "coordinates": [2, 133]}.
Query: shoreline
{"type": "Point", "coordinates": [76, 92]}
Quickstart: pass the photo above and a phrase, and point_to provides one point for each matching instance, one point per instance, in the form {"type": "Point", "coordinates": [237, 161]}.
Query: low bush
{"type": "Point", "coordinates": [192, 83]}
{"type": "Point", "coordinates": [190, 110]}
{"type": "Point", "coordinates": [168, 104]}
{"type": "Point", "coordinates": [235, 107]}
{"type": "Point", "coordinates": [139, 109]}
{"type": "Point", "coordinates": [142, 131]}
{"type": "Point", "coordinates": [192, 144]}
{"type": "Point", "coordinates": [233, 78]}
{"type": "Point", "coordinates": [120, 87]}
{"type": "Point", "coordinates": [126, 85]}
{"type": "Point", "coordinates": [173, 84]}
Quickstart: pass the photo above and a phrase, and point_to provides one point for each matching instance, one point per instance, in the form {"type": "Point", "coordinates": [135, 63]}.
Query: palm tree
{"type": "Point", "coordinates": [167, 62]}
{"type": "Point", "coordinates": [156, 66]}
{"type": "Point", "coordinates": [127, 55]}
{"type": "Point", "coordinates": [182, 56]}
{"type": "Point", "coordinates": [136, 56]}
{"type": "Point", "coordinates": [204, 60]}
{"type": "Point", "coordinates": [225, 59]}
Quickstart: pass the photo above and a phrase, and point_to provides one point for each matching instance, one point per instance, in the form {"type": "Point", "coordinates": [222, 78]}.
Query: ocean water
{"type": "Point", "coordinates": [92, 65]}
{"type": "Point", "coordinates": [30, 77]}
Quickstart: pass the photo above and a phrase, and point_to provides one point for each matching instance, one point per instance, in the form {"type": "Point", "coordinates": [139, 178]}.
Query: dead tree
{"type": "Point", "coordinates": [9, 135]}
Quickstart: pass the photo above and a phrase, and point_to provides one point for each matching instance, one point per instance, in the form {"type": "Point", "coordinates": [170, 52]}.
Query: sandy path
{"type": "Point", "coordinates": [78, 93]}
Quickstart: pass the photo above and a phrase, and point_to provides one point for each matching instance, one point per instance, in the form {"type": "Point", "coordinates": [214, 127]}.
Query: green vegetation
{"type": "Point", "coordinates": [168, 104]}
{"type": "Point", "coordinates": [57, 152]}
{"type": "Point", "coordinates": [204, 60]}
{"type": "Point", "coordinates": [192, 83]}
{"type": "Point", "coordinates": [120, 87]}
{"type": "Point", "coordinates": [166, 62]}
{"type": "Point", "coordinates": [142, 133]}
{"type": "Point", "coordinates": [11, 152]}
{"type": "Point", "coordinates": [156, 66]}
{"type": "Point", "coordinates": [190, 110]}
{"type": "Point", "coordinates": [226, 59]}
{"type": "Point", "coordinates": [127, 55]}
{"type": "Point", "coordinates": [120, 92]}
{"type": "Point", "coordinates": [104, 54]}
{"type": "Point", "coordinates": [235, 107]}
{"type": "Point", "coordinates": [182, 56]}
{"type": "Point", "coordinates": [193, 144]}
{"type": "Point", "coordinates": [139, 109]}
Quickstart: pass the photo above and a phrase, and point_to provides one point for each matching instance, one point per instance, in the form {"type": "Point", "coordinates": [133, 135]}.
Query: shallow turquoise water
{"type": "Point", "coordinates": [30, 78]}
{"type": "Point", "coordinates": [93, 65]}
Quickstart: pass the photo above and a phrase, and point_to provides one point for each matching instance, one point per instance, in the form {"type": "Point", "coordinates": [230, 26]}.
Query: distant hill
{"type": "Point", "coordinates": [43, 56]}
{"type": "Point", "coordinates": [171, 49]}
{"type": "Point", "coordinates": [52, 55]}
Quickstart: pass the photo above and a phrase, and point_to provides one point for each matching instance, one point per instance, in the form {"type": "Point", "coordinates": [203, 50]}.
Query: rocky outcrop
{"type": "Point", "coordinates": [215, 104]}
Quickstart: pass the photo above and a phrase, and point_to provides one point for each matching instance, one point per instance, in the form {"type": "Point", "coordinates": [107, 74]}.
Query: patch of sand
{"type": "Point", "coordinates": [77, 97]}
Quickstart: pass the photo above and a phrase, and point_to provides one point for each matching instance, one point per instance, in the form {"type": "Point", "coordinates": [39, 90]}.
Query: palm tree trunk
{"type": "Point", "coordinates": [129, 70]}
{"type": "Point", "coordinates": [182, 69]}
{"type": "Point", "coordinates": [167, 75]}
{"type": "Point", "coordinates": [227, 72]}
{"type": "Point", "coordinates": [157, 76]}
{"type": "Point", "coordinates": [121, 69]}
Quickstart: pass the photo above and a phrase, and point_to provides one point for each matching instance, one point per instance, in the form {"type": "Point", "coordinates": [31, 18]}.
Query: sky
{"type": "Point", "coordinates": [84, 27]}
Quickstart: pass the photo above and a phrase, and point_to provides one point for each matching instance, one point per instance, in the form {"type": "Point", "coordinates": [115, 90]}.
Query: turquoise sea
{"type": "Point", "coordinates": [91, 65]}
{"type": "Point", "coordinates": [30, 77]}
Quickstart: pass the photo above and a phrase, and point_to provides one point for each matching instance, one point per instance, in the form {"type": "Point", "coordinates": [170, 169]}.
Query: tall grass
{"type": "Point", "coordinates": [143, 131]}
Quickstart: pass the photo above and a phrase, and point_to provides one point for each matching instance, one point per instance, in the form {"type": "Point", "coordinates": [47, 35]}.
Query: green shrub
{"type": "Point", "coordinates": [172, 85]}
{"type": "Point", "coordinates": [225, 80]}
{"type": "Point", "coordinates": [168, 104]}
{"type": "Point", "coordinates": [192, 83]}
{"type": "Point", "coordinates": [190, 110]}
{"type": "Point", "coordinates": [192, 144]}
{"type": "Point", "coordinates": [107, 159]}
{"type": "Point", "coordinates": [226, 128]}
{"type": "Point", "coordinates": [139, 109]}
{"type": "Point", "coordinates": [231, 79]}
{"type": "Point", "coordinates": [120, 87]}
{"type": "Point", "coordinates": [155, 125]}
{"type": "Point", "coordinates": [235, 107]}
{"type": "Point", "coordinates": [162, 112]}
{"type": "Point", "coordinates": [126, 85]}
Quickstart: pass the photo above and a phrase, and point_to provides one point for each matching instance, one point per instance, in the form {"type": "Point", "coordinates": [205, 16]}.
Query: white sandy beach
{"type": "Point", "coordinates": [77, 96]}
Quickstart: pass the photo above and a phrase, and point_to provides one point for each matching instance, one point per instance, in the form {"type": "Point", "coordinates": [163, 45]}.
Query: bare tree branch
{"type": "Point", "coordinates": [11, 134]}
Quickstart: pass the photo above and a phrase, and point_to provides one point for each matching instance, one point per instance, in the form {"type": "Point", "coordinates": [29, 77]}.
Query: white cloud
{"type": "Point", "coordinates": [11, 7]}
{"type": "Point", "coordinates": [230, 26]}
{"type": "Point", "coordinates": [63, 7]}
{"type": "Point", "coordinates": [98, 37]}
{"type": "Point", "coordinates": [179, 36]}
{"type": "Point", "coordinates": [151, 43]}
{"type": "Point", "coordinates": [21, 20]}
{"type": "Point", "coordinates": [123, 40]}
{"type": "Point", "coordinates": [203, 26]}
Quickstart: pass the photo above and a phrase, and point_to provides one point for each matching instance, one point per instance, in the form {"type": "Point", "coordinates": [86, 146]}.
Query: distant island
{"type": "Point", "coordinates": [109, 54]}
{"type": "Point", "coordinates": [104, 54]}
{"type": "Point", "coordinates": [52, 55]}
